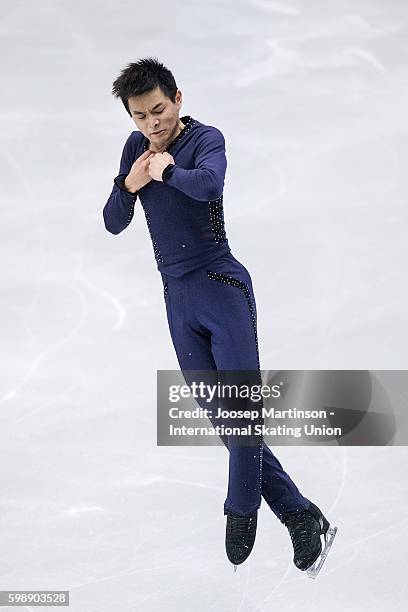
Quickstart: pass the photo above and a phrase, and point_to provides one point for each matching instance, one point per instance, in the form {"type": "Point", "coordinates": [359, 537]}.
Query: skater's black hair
{"type": "Point", "coordinates": [143, 76]}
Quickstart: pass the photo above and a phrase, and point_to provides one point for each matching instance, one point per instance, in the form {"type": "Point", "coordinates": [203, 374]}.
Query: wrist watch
{"type": "Point", "coordinates": [168, 171]}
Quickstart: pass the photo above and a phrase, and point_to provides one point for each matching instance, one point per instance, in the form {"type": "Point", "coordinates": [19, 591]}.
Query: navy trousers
{"type": "Point", "coordinates": [211, 313]}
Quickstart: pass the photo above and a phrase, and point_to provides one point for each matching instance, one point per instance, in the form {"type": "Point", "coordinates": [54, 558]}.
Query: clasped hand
{"type": "Point", "coordinates": [157, 164]}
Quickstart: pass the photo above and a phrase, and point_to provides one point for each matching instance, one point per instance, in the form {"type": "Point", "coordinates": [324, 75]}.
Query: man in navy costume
{"type": "Point", "coordinates": [176, 167]}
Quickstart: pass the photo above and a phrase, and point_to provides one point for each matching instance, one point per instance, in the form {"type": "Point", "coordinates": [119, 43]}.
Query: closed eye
{"type": "Point", "coordinates": [155, 113]}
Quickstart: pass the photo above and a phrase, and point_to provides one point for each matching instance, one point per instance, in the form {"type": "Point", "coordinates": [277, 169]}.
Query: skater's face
{"type": "Point", "coordinates": [154, 112]}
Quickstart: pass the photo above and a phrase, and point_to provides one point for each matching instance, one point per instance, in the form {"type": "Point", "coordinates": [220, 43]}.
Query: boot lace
{"type": "Point", "coordinates": [239, 528]}
{"type": "Point", "coordinates": [300, 526]}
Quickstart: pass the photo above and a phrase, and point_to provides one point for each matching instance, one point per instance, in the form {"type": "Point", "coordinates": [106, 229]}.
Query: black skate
{"type": "Point", "coordinates": [239, 536]}
{"type": "Point", "coordinates": [305, 529]}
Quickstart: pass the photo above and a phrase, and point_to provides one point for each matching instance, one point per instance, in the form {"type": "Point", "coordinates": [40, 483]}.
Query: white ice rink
{"type": "Point", "coordinates": [312, 99]}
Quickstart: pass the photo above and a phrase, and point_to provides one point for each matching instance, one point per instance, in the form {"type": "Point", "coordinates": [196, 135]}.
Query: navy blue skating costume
{"type": "Point", "coordinates": [208, 293]}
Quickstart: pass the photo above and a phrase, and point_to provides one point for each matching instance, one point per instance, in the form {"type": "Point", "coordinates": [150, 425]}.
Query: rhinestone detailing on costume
{"type": "Point", "coordinates": [157, 253]}
{"type": "Point", "coordinates": [229, 280]}
{"type": "Point", "coordinates": [131, 212]}
{"type": "Point", "coordinates": [165, 289]}
{"type": "Point", "coordinates": [217, 219]}
{"type": "Point", "coordinates": [188, 125]}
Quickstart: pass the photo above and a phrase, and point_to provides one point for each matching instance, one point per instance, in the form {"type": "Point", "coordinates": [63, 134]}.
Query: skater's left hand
{"type": "Point", "coordinates": [157, 164]}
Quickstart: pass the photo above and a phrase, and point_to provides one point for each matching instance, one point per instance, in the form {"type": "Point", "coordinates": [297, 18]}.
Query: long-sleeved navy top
{"type": "Point", "coordinates": [184, 212]}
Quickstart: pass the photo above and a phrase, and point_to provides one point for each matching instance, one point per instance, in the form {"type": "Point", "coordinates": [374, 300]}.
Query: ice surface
{"type": "Point", "coordinates": [312, 98]}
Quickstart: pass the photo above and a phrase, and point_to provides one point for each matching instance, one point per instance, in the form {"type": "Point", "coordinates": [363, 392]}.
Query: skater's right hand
{"type": "Point", "coordinates": [139, 176]}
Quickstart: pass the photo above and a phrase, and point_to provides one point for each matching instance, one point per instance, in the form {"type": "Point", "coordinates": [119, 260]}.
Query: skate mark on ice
{"type": "Point", "coordinates": [275, 7]}
{"type": "Point", "coordinates": [50, 403]}
{"type": "Point", "coordinates": [352, 56]}
{"type": "Point", "coordinates": [248, 571]}
{"type": "Point", "coordinates": [120, 310]}
{"type": "Point", "coordinates": [259, 606]}
{"type": "Point", "coordinates": [375, 534]}
{"type": "Point", "coordinates": [50, 349]}
{"type": "Point", "coordinates": [126, 572]}
{"type": "Point", "coordinates": [342, 482]}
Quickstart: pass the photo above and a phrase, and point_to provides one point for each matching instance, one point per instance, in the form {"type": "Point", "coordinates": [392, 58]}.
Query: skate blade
{"type": "Point", "coordinates": [235, 568]}
{"type": "Point", "coordinates": [313, 571]}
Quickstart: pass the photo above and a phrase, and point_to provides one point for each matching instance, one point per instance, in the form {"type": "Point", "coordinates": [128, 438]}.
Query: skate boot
{"type": "Point", "coordinates": [305, 529]}
{"type": "Point", "coordinates": [239, 536]}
